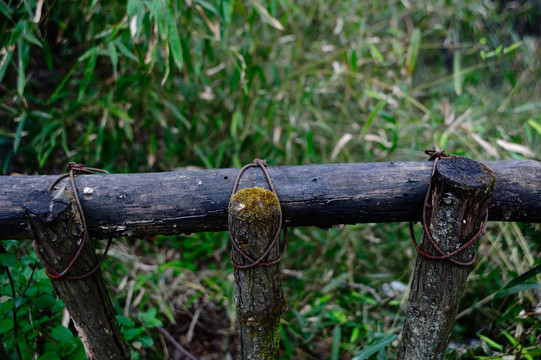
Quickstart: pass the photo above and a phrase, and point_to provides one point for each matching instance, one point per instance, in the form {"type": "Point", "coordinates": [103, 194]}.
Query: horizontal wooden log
{"type": "Point", "coordinates": [311, 195]}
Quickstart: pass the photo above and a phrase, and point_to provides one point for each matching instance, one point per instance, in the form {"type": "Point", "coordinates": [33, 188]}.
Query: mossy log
{"type": "Point", "coordinates": [57, 228]}
{"type": "Point", "coordinates": [311, 195]}
{"type": "Point", "coordinates": [461, 189]}
{"type": "Point", "coordinates": [259, 298]}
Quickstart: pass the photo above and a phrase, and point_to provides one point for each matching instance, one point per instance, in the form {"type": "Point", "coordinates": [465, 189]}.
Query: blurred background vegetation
{"type": "Point", "coordinates": [139, 86]}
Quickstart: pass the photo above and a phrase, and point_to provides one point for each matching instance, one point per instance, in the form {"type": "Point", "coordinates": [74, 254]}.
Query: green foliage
{"type": "Point", "coordinates": [138, 86]}
{"type": "Point", "coordinates": [38, 311]}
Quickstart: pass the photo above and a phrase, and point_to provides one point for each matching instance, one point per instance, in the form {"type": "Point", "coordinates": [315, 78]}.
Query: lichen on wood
{"type": "Point", "coordinates": [459, 195]}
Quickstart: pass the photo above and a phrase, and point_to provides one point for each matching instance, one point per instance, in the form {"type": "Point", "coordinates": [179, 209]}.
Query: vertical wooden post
{"type": "Point", "coordinates": [458, 200]}
{"type": "Point", "coordinates": [57, 228]}
{"type": "Point", "coordinates": [259, 298]}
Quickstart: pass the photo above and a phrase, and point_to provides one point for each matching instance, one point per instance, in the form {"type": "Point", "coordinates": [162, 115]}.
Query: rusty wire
{"type": "Point", "coordinates": [259, 261]}
{"type": "Point", "coordinates": [435, 156]}
{"type": "Point", "coordinates": [73, 170]}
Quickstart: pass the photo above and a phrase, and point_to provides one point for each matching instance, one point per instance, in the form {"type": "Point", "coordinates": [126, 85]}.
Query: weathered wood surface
{"type": "Point", "coordinates": [57, 228]}
{"type": "Point", "coordinates": [461, 189]}
{"type": "Point", "coordinates": [312, 195]}
{"type": "Point", "coordinates": [254, 218]}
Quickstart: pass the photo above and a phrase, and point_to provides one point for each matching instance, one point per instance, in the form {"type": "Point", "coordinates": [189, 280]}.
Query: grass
{"type": "Point", "coordinates": [156, 86]}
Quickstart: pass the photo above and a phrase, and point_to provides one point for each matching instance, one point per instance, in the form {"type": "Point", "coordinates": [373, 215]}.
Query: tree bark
{"type": "Point", "coordinates": [313, 195]}
{"type": "Point", "coordinates": [259, 298]}
{"type": "Point", "coordinates": [461, 189]}
{"type": "Point", "coordinates": [57, 228]}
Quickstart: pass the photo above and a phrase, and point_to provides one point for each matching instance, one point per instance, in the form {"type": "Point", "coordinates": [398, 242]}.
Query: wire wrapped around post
{"type": "Point", "coordinates": [259, 261]}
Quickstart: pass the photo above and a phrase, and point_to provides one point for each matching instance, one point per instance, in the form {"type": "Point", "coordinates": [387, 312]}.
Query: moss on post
{"type": "Point", "coordinates": [253, 221]}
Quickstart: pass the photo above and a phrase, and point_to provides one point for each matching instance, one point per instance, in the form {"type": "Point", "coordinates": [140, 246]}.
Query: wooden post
{"type": "Point", "coordinates": [461, 189]}
{"type": "Point", "coordinates": [253, 221]}
{"type": "Point", "coordinates": [56, 225]}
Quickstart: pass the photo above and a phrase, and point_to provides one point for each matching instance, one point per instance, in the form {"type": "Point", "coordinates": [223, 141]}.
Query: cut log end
{"type": "Point", "coordinates": [253, 211]}
{"type": "Point", "coordinates": [464, 176]}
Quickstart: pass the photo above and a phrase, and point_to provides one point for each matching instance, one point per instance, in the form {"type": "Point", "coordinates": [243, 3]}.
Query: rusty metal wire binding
{"type": "Point", "coordinates": [435, 156]}
{"type": "Point", "coordinates": [259, 261]}
{"type": "Point", "coordinates": [73, 170]}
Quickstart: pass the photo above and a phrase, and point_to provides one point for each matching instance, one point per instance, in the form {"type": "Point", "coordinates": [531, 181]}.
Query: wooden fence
{"type": "Point", "coordinates": [313, 195]}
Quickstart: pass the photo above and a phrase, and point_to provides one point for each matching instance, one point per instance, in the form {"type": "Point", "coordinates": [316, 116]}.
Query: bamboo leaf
{"type": "Point", "coordinates": [235, 122]}
{"type": "Point", "coordinates": [531, 122]}
{"type": "Point", "coordinates": [536, 270]}
{"type": "Point", "coordinates": [490, 342]}
{"type": "Point", "coordinates": [63, 82]}
{"type": "Point", "coordinates": [126, 121]}
{"type": "Point", "coordinates": [516, 289]}
{"type": "Point", "coordinates": [376, 54]}
{"type": "Point", "coordinates": [89, 70]}
{"type": "Point", "coordinates": [124, 50]}
{"type": "Point", "coordinates": [375, 347]}
{"type": "Point", "coordinates": [174, 40]}
{"type": "Point", "coordinates": [457, 76]}
{"type": "Point", "coordinates": [413, 50]}
{"type": "Point", "coordinates": [336, 337]}
{"type": "Point", "coordinates": [5, 9]}
{"type": "Point", "coordinates": [372, 117]}
{"type": "Point", "coordinates": [114, 58]}
{"type": "Point", "coordinates": [512, 48]}
{"type": "Point", "coordinates": [47, 55]}
{"type": "Point", "coordinates": [23, 52]}
{"type": "Point", "coordinates": [263, 12]}
{"type": "Point", "coordinates": [4, 63]}
{"type": "Point", "coordinates": [19, 132]}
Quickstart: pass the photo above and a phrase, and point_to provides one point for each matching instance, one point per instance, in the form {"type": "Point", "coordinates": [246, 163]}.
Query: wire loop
{"type": "Point", "coordinates": [73, 170]}
{"type": "Point", "coordinates": [259, 261]}
{"type": "Point", "coordinates": [436, 155]}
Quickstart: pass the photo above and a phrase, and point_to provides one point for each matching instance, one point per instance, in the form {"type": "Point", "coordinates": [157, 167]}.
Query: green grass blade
{"type": "Point", "coordinates": [336, 336]}
{"type": "Point", "coordinates": [375, 347]}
